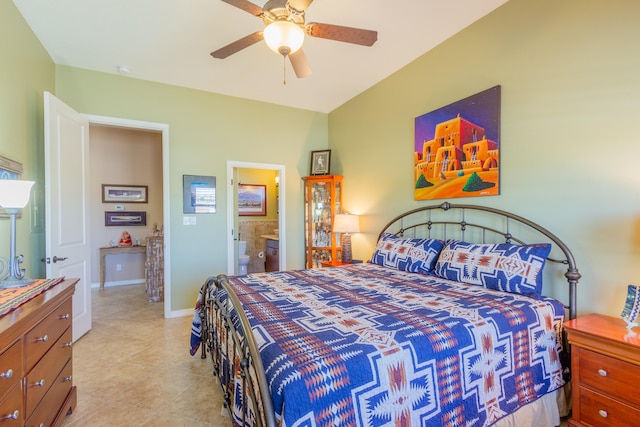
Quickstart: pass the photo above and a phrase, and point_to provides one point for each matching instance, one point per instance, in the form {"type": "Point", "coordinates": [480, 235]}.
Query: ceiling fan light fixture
{"type": "Point", "coordinates": [283, 37]}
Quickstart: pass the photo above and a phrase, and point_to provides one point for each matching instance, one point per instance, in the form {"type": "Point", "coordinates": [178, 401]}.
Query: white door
{"type": "Point", "coordinates": [66, 161]}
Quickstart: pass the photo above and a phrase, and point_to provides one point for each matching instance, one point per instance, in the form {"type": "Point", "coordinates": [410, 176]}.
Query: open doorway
{"type": "Point", "coordinates": [251, 225]}
{"type": "Point", "coordinates": [162, 220]}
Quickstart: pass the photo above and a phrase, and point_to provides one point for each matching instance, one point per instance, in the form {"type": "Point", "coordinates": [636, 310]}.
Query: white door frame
{"type": "Point", "coordinates": [164, 128]}
{"type": "Point", "coordinates": [231, 210]}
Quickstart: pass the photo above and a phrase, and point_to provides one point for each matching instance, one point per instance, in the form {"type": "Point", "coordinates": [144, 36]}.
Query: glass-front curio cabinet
{"type": "Point", "coordinates": [322, 201]}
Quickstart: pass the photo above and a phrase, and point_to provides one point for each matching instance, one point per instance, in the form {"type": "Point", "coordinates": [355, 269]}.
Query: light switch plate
{"type": "Point", "coordinates": [188, 220]}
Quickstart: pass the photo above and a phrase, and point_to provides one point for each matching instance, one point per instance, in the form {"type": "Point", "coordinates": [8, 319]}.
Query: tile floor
{"type": "Point", "coordinates": [134, 369]}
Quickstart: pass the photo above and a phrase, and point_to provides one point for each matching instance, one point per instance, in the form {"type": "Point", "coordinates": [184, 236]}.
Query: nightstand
{"type": "Point", "coordinates": [605, 371]}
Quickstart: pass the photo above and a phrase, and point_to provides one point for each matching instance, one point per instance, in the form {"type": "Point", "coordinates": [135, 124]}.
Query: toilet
{"type": "Point", "coordinates": [243, 258]}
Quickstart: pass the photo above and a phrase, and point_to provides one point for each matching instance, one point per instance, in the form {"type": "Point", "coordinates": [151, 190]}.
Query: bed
{"type": "Point", "coordinates": [455, 320]}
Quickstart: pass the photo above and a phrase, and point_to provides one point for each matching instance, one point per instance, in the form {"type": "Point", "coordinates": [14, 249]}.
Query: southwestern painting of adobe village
{"type": "Point", "coordinates": [457, 149]}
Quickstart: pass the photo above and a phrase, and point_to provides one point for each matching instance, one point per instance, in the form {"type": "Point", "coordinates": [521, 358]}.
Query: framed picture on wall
{"type": "Point", "coordinates": [10, 169]}
{"type": "Point", "coordinates": [124, 193]}
{"type": "Point", "coordinates": [121, 218]}
{"type": "Point", "coordinates": [252, 200]}
{"type": "Point", "coordinates": [320, 162]}
{"type": "Point", "coordinates": [198, 194]}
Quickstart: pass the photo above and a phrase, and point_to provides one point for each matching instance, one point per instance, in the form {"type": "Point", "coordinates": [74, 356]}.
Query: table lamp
{"type": "Point", "coordinates": [346, 224]}
{"type": "Point", "coordinates": [14, 195]}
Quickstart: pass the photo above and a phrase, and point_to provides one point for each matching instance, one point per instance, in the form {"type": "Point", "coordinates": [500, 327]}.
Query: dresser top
{"type": "Point", "coordinates": [22, 312]}
{"type": "Point", "coordinates": [612, 329]}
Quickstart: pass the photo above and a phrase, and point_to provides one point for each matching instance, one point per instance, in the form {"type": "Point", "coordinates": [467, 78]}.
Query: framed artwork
{"type": "Point", "coordinates": [10, 169]}
{"type": "Point", "coordinates": [121, 218]}
{"type": "Point", "coordinates": [457, 149]}
{"type": "Point", "coordinates": [320, 162]}
{"type": "Point", "coordinates": [252, 200]}
{"type": "Point", "coordinates": [124, 193]}
{"type": "Point", "coordinates": [198, 194]}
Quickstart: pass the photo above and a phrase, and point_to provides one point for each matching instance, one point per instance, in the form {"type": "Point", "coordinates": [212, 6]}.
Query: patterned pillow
{"type": "Point", "coordinates": [501, 266]}
{"type": "Point", "coordinates": [413, 255]}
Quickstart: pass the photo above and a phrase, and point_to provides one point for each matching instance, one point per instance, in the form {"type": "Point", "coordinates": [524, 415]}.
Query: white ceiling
{"type": "Point", "coordinates": [169, 41]}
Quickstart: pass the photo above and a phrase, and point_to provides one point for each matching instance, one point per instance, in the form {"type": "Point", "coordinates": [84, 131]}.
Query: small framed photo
{"type": "Point", "coordinates": [124, 193]}
{"type": "Point", "coordinates": [320, 162]}
{"type": "Point", "coordinates": [252, 200]}
{"type": "Point", "coordinates": [121, 218]}
{"type": "Point", "coordinates": [198, 194]}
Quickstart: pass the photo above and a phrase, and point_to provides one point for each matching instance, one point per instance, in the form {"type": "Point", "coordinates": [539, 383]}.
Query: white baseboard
{"type": "Point", "coordinates": [180, 313]}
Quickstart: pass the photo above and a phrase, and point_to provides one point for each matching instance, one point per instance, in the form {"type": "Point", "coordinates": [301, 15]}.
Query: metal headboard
{"type": "Point", "coordinates": [489, 225]}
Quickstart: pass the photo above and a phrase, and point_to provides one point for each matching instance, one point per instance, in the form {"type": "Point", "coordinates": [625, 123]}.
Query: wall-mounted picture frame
{"type": "Point", "coordinates": [112, 193]}
{"type": "Point", "coordinates": [320, 162]}
{"type": "Point", "coordinates": [199, 194]}
{"type": "Point", "coordinates": [122, 218]}
{"type": "Point", "coordinates": [457, 149]}
{"type": "Point", "coordinates": [252, 200]}
{"type": "Point", "coordinates": [10, 169]}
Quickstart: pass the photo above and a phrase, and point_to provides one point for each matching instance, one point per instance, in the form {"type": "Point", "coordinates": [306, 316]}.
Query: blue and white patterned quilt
{"type": "Point", "coordinates": [366, 345]}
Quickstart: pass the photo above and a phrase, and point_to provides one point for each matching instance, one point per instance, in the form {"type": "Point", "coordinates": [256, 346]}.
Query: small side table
{"type": "Point", "coordinates": [605, 371]}
{"type": "Point", "coordinates": [338, 263]}
{"type": "Point", "coordinates": [116, 250]}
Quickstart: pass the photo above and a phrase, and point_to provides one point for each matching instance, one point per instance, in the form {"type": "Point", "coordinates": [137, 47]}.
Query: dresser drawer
{"type": "Point", "coordinates": [48, 408]}
{"type": "Point", "coordinates": [598, 410]}
{"type": "Point", "coordinates": [11, 408]}
{"type": "Point", "coordinates": [10, 368]}
{"type": "Point", "coordinates": [43, 376]}
{"type": "Point", "coordinates": [40, 339]}
{"type": "Point", "coordinates": [611, 376]}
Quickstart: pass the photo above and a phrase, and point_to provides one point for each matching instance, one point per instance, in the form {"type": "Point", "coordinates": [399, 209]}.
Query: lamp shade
{"type": "Point", "coordinates": [14, 194]}
{"type": "Point", "coordinates": [283, 37]}
{"type": "Point", "coordinates": [345, 223]}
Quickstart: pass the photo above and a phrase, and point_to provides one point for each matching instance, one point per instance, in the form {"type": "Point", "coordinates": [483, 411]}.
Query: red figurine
{"type": "Point", "coordinates": [125, 239]}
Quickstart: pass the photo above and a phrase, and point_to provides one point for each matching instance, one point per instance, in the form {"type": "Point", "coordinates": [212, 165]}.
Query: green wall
{"type": "Point", "coordinates": [569, 145]}
{"type": "Point", "coordinates": [26, 71]}
{"type": "Point", "coordinates": [570, 103]}
{"type": "Point", "coordinates": [206, 130]}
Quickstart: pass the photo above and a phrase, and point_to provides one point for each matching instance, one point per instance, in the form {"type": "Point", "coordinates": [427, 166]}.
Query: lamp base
{"type": "Point", "coordinates": [345, 248]}
{"type": "Point", "coordinates": [15, 283]}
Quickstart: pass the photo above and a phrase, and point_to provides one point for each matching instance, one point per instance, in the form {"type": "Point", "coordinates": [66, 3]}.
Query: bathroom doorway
{"type": "Point", "coordinates": [265, 182]}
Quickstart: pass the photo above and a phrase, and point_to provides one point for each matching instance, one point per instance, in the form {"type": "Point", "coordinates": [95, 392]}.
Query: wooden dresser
{"type": "Point", "coordinates": [36, 387]}
{"type": "Point", "coordinates": [605, 365]}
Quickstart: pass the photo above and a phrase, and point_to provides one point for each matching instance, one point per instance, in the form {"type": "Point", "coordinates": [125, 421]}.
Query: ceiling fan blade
{"type": "Point", "coordinates": [300, 64]}
{"type": "Point", "coordinates": [299, 5]}
{"type": "Point", "coordinates": [237, 45]}
{"type": "Point", "coordinates": [247, 6]}
{"type": "Point", "coordinates": [342, 34]}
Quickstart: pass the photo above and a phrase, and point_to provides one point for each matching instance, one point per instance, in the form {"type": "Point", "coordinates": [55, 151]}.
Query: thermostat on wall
{"type": "Point", "coordinates": [119, 207]}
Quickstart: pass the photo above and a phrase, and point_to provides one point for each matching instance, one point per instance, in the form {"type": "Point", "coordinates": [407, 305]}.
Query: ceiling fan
{"type": "Point", "coordinates": [285, 28]}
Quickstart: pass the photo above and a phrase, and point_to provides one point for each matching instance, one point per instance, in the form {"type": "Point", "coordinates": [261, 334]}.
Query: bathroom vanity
{"type": "Point", "coordinates": [272, 262]}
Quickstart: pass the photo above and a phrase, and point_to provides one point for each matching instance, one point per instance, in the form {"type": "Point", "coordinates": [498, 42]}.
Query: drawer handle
{"type": "Point", "coordinates": [69, 344]}
{"type": "Point", "coordinates": [602, 372]}
{"type": "Point", "coordinates": [7, 374]}
{"type": "Point", "coordinates": [603, 413]}
{"type": "Point", "coordinates": [14, 416]}
{"type": "Point", "coordinates": [43, 339]}
{"type": "Point", "coordinates": [69, 378]}
{"type": "Point", "coordinates": [64, 317]}
{"type": "Point", "coordinates": [39, 383]}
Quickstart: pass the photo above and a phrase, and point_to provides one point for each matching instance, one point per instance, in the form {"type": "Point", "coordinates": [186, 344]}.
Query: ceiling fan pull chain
{"type": "Point", "coordinates": [284, 69]}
